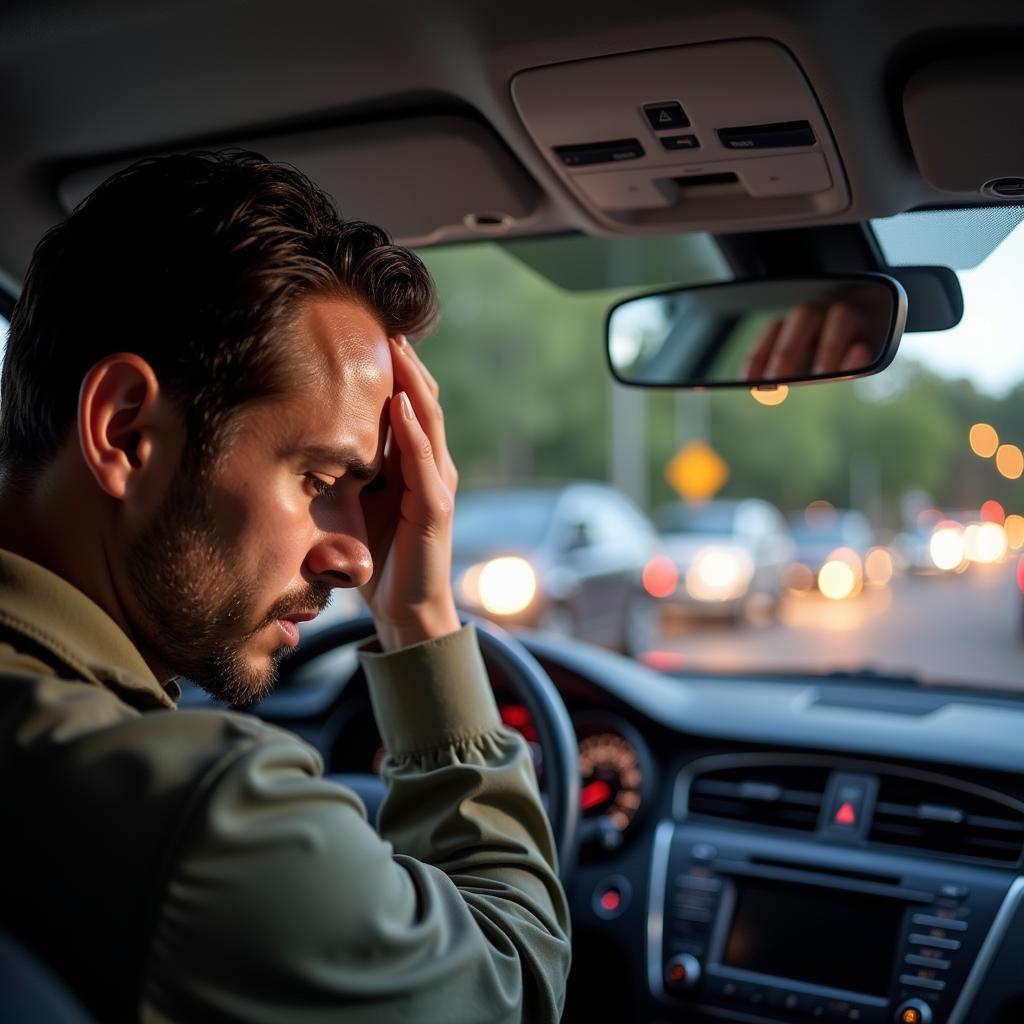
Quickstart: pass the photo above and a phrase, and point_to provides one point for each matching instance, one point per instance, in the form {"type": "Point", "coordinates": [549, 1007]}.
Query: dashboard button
{"type": "Point", "coordinates": [954, 891]}
{"type": "Point", "coordinates": [932, 962]}
{"type": "Point", "coordinates": [682, 972]}
{"type": "Point", "coordinates": [930, 921]}
{"type": "Point", "coordinates": [703, 851]}
{"type": "Point", "coordinates": [934, 941]}
{"type": "Point", "coordinates": [914, 1011]}
{"type": "Point", "coordinates": [611, 897]}
{"type": "Point", "coordinates": [913, 981]}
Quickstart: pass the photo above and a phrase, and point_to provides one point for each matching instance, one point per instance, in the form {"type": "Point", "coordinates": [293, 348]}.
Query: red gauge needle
{"type": "Point", "coordinates": [594, 793]}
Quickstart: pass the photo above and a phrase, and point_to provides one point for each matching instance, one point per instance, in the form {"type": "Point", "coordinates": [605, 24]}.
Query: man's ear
{"type": "Point", "coordinates": [121, 415]}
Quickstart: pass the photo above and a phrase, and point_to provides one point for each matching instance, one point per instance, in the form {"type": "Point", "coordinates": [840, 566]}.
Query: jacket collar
{"type": "Point", "coordinates": [72, 631]}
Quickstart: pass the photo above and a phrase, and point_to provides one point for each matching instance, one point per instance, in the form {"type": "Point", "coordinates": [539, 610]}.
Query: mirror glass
{"type": "Point", "coordinates": [754, 333]}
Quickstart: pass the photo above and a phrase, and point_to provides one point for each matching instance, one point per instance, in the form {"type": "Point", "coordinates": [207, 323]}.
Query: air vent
{"type": "Point", "coordinates": [783, 797]}
{"type": "Point", "coordinates": [948, 820]}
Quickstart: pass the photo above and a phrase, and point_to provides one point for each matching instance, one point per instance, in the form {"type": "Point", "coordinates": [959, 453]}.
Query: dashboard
{"type": "Point", "coordinates": [765, 850]}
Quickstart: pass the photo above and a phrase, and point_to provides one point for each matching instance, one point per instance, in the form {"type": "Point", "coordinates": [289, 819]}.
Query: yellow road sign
{"type": "Point", "coordinates": [696, 471]}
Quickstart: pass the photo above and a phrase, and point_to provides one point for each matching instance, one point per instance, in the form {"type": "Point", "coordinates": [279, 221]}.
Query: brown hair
{"type": "Point", "coordinates": [196, 263]}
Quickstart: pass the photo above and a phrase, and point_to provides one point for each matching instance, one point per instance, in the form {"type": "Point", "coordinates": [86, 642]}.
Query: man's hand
{"type": "Point", "coordinates": [810, 340]}
{"type": "Point", "coordinates": [409, 519]}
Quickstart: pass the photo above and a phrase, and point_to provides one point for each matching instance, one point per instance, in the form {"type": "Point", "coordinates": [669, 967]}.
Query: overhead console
{"type": "Point", "coordinates": [716, 136]}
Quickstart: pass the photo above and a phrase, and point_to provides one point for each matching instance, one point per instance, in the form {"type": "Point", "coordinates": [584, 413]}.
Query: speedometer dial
{"type": "Point", "coordinates": [611, 778]}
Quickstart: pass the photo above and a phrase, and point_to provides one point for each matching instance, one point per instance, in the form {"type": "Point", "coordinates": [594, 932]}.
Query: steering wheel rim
{"type": "Point", "coordinates": [531, 685]}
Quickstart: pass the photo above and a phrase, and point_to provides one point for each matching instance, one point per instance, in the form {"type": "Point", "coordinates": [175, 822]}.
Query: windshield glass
{"type": "Point", "coordinates": [913, 569]}
{"type": "Point", "coordinates": [516, 519]}
{"type": "Point", "coordinates": [705, 517]}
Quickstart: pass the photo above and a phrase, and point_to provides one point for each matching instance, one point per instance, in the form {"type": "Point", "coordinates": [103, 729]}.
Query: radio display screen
{"type": "Point", "coordinates": [816, 935]}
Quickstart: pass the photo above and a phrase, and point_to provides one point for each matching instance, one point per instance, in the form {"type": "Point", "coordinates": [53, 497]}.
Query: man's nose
{"type": "Point", "coordinates": [341, 559]}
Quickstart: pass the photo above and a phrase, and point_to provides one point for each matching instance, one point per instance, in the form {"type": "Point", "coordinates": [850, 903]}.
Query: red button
{"type": "Point", "coordinates": [611, 900]}
{"type": "Point", "coordinates": [846, 815]}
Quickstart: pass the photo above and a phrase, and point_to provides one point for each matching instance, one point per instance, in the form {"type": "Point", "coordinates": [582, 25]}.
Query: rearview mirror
{"type": "Point", "coordinates": [758, 333]}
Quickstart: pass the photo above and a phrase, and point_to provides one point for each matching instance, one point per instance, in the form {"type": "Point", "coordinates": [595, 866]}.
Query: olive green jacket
{"type": "Point", "coordinates": [192, 865]}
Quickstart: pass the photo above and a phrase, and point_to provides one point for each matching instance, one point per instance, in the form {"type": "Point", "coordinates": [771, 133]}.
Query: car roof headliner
{"type": "Point", "coordinates": [97, 81]}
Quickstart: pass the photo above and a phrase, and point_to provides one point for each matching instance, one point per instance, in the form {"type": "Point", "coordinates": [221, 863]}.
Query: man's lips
{"type": "Point", "coordinates": [289, 627]}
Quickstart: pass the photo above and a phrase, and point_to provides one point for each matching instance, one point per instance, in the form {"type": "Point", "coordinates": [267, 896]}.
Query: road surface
{"type": "Point", "coordinates": [964, 630]}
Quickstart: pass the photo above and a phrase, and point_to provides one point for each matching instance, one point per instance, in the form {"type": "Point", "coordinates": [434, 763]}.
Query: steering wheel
{"type": "Point", "coordinates": [531, 685]}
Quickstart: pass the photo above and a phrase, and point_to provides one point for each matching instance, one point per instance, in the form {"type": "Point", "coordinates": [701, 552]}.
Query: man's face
{"type": "Point", "coordinates": [230, 562]}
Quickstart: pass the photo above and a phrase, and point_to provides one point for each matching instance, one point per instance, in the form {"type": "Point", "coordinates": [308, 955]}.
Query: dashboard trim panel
{"type": "Point", "coordinates": [989, 948]}
{"type": "Point", "coordinates": [661, 848]}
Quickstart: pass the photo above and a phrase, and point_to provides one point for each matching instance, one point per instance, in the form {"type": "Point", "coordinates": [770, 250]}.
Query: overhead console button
{"type": "Point", "coordinates": [663, 116]}
{"type": "Point", "coordinates": [674, 142]}
{"type": "Point", "coordinates": [768, 136]}
{"type": "Point", "coordinates": [599, 152]}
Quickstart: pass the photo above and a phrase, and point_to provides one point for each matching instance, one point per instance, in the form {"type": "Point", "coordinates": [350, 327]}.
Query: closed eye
{"type": "Point", "coordinates": [322, 487]}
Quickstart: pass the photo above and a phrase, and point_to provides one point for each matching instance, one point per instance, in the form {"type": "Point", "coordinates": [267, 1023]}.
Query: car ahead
{"type": "Point", "coordinates": [826, 536]}
{"type": "Point", "coordinates": [814, 822]}
{"type": "Point", "coordinates": [567, 559]}
{"type": "Point", "coordinates": [731, 557]}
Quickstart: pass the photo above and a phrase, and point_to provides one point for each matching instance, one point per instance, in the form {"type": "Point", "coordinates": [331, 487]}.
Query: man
{"type": "Point", "coordinates": [201, 373]}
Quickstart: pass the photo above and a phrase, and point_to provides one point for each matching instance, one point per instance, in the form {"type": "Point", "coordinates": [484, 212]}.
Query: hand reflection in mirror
{"type": "Point", "coordinates": [811, 339]}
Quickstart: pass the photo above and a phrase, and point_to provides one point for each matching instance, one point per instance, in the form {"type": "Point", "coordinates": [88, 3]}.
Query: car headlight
{"type": "Point", "coordinates": [842, 575]}
{"type": "Point", "coordinates": [946, 546]}
{"type": "Point", "coordinates": [502, 586]}
{"type": "Point", "coordinates": [719, 574]}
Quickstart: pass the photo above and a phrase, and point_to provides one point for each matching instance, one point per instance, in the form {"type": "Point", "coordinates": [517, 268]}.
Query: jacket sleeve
{"type": "Point", "coordinates": [284, 905]}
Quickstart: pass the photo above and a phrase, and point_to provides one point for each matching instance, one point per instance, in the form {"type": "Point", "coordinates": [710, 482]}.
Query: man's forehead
{"type": "Point", "coordinates": [342, 345]}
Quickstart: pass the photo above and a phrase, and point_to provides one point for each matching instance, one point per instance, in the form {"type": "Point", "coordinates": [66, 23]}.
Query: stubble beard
{"type": "Point", "coordinates": [198, 606]}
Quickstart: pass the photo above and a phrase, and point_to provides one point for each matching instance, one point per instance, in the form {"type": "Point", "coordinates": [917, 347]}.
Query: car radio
{"type": "Point", "coordinates": [756, 927]}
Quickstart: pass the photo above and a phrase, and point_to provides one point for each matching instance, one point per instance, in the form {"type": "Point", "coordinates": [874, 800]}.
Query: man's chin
{"type": "Point", "coordinates": [241, 678]}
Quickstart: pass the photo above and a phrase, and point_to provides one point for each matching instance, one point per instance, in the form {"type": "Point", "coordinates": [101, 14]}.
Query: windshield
{"type": "Point", "coordinates": [706, 517]}
{"type": "Point", "coordinates": [914, 568]}
{"type": "Point", "coordinates": [512, 519]}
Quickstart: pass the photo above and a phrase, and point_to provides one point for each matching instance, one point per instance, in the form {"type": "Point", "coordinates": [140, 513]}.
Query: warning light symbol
{"type": "Point", "coordinates": [846, 815]}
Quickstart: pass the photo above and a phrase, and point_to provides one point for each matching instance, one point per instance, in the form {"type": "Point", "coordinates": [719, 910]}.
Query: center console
{"type": "Point", "coordinates": [762, 928]}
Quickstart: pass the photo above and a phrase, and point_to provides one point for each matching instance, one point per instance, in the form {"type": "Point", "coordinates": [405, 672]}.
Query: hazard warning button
{"type": "Point", "coordinates": [848, 804]}
{"type": "Point", "coordinates": [662, 116]}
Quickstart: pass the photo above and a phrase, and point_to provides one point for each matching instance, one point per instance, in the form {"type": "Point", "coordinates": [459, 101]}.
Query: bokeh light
{"type": "Point", "coordinates": [660, 576]}
{"type": "Point", "coordinates": [1014, 527]}
{"type": "Point", "coordinates": [988, 544]}
{"type": "Point", "coordinates": [992, 512]}
{"type": "Point", "coordinates": [773, 396]}
{"type": "Point", "coordinates": [984, 440]}
{"type": "Point", "coordinates": [1010, 461]}
{"type": "Point", "coordinates": [878, 567]}
{"type": "Point", "coordinates": [946, 547]}
{"type": "Point", "coordinates": [837, 580]}
{"type": "Point", "coordinates": [507, 585]}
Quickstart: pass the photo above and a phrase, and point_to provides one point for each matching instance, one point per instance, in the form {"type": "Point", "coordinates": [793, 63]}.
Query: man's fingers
{"type": "Point", "coordinates": [412, 378]}
{"type": "Point", "coordinates": [839, 335]}
{"type": "Point", "coordinates": [858, 358]}
{"type": "Point", "coordinates": [762, 350]}
{"type": "Point", "coordinates": [427, 501]}
{"type": "Point", "coordinates": [791, 356]}
{"type": "Point", "coordinates": [418, 364]}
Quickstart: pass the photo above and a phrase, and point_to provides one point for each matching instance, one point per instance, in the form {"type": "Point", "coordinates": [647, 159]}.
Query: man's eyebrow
{"type": "Point", "coordinates": [346, 458]}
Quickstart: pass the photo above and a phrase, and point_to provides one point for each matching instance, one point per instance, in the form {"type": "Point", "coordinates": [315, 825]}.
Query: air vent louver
{"type": "Point", "coordinates": [781, 797]}
{"type": "Point", "coordinates": [945, 819]}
